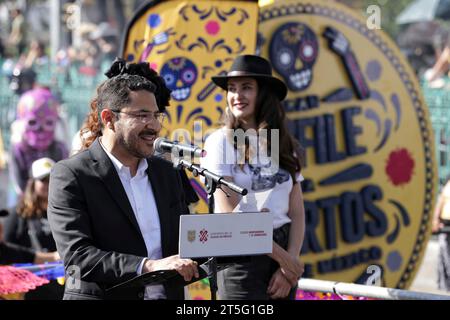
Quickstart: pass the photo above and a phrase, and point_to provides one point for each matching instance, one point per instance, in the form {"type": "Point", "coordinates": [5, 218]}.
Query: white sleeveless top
{"type": "Point", "coordinates": [222, 159]}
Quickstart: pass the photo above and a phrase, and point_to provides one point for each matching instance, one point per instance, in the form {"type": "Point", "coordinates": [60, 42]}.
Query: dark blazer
{"type": "Point", "coordinates": [17, 230]}
{"type": "Point", "coordinates": [13, 253]}
{"type": "Point", "coordinates": [95, 229]}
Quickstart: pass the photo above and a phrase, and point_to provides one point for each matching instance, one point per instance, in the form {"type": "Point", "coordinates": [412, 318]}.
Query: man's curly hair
{"type": "Point", "coordinates": [143, 69]}
{"type": "Point", "coordinates": [127, 76]}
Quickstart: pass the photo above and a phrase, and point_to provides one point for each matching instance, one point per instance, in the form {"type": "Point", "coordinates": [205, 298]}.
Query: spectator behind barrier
{"type": "Point", "coordinates": [37, 116]}
{"type": "Point", "coordinates": [28, 227]}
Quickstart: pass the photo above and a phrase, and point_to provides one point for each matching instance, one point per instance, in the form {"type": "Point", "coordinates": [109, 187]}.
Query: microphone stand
{"type": "Point", "coordinates": [213, 181]}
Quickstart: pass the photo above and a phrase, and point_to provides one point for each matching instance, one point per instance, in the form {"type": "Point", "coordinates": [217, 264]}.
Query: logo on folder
{"type": "Point", "coordinates": [191, 235]}
{"type": "Point", "coordinates": [203, 236]}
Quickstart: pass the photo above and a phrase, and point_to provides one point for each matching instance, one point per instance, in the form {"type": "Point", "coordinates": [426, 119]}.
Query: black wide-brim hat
{"type": "Point", "coordinates": [253, 67]}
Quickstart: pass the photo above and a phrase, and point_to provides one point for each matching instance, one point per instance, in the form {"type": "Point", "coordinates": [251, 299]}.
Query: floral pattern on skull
{"type": "Point", "coordinates": [180, 75]}
{"type": "Point", "coordinates": [293, 52]}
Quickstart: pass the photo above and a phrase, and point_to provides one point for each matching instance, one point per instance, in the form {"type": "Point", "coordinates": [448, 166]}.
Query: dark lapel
{"type": "Point", "coordinates": [155, 174]}
{"type": "Point", "coordinates": [105, 170]}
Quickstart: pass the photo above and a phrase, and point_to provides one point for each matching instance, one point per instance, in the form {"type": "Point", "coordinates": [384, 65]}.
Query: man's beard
{"type": "Point", "coordinates": [132, 144]}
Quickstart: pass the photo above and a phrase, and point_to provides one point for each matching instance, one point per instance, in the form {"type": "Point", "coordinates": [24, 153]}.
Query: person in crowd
{"type": "Point", "coordinates": [254, 103]}
{"type": "Point", "coordinates": [12, 253]}
{"type": "Point", "coordinates": [36, 55]}
{"type": "Point", "coordinates": [441, 221]}
{"type": "Point", "coordinates": [114, 208]}
{"type": "Point", "coordinates": [105, 36]}
{"type": "Point", "coordinates": [441, 66]}
{"type": "Point", "coordinates": [2, 154]}
{"type": "Point", "coordinates": [37, 117]}
{"type": "Point", "coordinates": [2, 48]}
{"type": "Point", "coordinates": [27, 225]}
{"type": "Point", "coordinates": [18, 37]}
{"type": "Point", "coordinates": [88, 58]}
{"type": "Point", "coordinates": [22, 80]}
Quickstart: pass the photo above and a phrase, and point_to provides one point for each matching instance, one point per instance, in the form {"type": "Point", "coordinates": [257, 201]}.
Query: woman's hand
{"type": "Point", "coordinates": [291, 266]}
{"type": "Point", "coordinates": [279, 287]}
{"type": "Point", "coordinates": [437, 225]}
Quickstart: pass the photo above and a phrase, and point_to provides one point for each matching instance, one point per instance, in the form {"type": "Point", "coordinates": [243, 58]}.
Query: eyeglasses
{"type": "Point", "coordinates": [144, 117]}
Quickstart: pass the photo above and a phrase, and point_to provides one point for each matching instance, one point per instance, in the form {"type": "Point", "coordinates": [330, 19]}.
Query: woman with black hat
{"type": "Point", "coordinates": [254, 109]}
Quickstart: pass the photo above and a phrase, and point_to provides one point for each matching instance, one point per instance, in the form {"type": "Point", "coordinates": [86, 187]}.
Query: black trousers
{"type": "Point", "coordinates": [249, 280]}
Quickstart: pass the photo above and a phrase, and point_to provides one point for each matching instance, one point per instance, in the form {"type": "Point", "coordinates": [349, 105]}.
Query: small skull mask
{"type": "Point", "coordinates": [37, 109]}
{"type": "Point", "coordinates": [293, 53]}
{"type": "Point", "coordinates": [180, 75]}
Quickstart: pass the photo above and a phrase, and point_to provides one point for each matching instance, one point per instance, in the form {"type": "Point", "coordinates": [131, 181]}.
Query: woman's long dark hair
{"type": "Point", "coordinates": [30, 204]}
{"type": "Point", "coordinates": [270, 114]}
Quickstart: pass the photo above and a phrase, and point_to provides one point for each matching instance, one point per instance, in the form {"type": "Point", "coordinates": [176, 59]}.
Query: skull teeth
{"type": "Point", "coordinates": [300, 79]}
{"type": "Point", "coordinates": [181, 94]}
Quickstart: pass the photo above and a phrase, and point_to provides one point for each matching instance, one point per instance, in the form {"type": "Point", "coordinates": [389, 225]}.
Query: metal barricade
{"type": "Point", "coordinates": [358, 290]}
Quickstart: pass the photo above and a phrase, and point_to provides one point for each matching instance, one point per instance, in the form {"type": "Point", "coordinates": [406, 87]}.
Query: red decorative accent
{"type": "Point", "coordinates": [203, 235]}
{"type": "Point", "coordinates": [399, 167]}
{"type": "Point", "coordinates": [13, 280]}
{"type": "Point", "coordinates": [212, 27]}
{"type": "Point", "coordinates": [154, 65]}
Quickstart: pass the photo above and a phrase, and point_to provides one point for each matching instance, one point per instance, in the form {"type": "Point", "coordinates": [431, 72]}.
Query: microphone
{"type": "Point", "coordinates": [163, 145]}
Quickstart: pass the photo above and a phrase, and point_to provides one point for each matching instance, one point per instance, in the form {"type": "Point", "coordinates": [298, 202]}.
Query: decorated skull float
{"type": "Point", "coordinates": [180, 75]}
{"type": "Point", "coordinates": [293, 53]}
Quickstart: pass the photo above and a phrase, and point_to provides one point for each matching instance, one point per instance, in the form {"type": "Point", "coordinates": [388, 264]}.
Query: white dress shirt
{"type": "Point", "coordinates": [142, 200]}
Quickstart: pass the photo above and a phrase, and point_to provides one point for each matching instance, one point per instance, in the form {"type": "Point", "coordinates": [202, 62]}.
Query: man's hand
{"type": "Point", "coordinates": [185, 267]}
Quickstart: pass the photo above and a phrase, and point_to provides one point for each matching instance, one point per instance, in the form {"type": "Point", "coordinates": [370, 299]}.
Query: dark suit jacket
{"type": "Point", "coordinates": [13, 253]}
{"type": "Point", "coordinates": [95, 229]}
{"type": "Point", "coordinates": [31, 233]}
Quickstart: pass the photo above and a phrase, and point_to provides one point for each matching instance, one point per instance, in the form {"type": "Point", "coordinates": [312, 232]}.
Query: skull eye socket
{"type": "Point", "coordinates": [49, 124]}
{"type": "Point", "coordinates": [169, 79]}
{"type": "Point", "coordinates": [32, 124]}
{"type": "Point", "coordinates": [285, 58]}
{"type": "Point", "coordinates": [188, 76]}
{"type": "Point", "coordinates": [308, 52]}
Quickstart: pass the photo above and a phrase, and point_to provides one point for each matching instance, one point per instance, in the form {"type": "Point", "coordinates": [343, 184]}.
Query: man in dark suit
{"type": "Point", "coordinates": [113, 208]}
